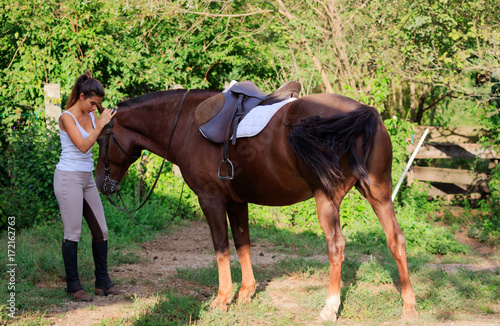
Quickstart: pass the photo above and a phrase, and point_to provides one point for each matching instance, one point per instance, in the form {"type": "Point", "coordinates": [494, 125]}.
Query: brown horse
{"type": "Point", "coordinates": [317, 146]}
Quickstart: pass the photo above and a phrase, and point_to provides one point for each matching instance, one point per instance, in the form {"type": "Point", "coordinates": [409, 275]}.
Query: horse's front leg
{"type": "Point", "coordinates": [238, 218]}
{"type": "Point", "coordinates": [215, 213]}
{"type": "Point", "coordinates": [328, 215]}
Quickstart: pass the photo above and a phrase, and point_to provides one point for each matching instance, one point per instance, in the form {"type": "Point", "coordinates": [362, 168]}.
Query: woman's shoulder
{"type": "Point", "coordinates": [69, 112]}
{"type": "Point", "coordinates": [66, 119]}
{"type": "Point", "coordinates": [67, 115]}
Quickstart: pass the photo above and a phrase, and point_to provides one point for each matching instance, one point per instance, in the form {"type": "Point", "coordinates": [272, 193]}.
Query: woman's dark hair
{"type": "Point", "coordinates": [87, 86]}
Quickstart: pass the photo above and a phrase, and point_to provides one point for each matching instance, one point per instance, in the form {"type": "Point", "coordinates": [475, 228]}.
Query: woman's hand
{"type": "Point", "coordinates": [106, 116]}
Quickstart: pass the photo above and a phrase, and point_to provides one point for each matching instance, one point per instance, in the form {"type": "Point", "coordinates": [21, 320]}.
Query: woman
{"type": "Point", "coordinates": [75, 188]}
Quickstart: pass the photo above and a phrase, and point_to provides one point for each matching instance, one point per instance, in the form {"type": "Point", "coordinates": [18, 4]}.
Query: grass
{"type": "Point", "coordinates": [369, 294]}
{"type": "Point", "coordinates": [290, 292]}
{"type": "Point", "coordinates": [181, 310]}
{"type": "Point", "coordinates": [367, 297]}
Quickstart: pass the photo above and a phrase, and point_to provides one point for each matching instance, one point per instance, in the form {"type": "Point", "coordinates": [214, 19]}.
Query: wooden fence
{"type": "Point", "coordinates": [448, 144]}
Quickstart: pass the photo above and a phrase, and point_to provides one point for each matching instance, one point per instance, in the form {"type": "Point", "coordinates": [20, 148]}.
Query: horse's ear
{"type": "Point", "coordinates": [99, 108]}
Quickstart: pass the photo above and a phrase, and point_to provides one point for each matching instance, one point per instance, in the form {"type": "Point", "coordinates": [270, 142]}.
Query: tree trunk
{"type": "Point", "coordinates": [392, 107]}
{"type": "Point", "coordinates": [346, 70]}
{"type": "Point", "coordinates": [421, 102]}
{"type": "Point", "coordinates": [412, 101]}
{"type": "Point", "coordinates": [317, 63]}
{"type": "Point", "coordinates": [142, 172]}
{"type": "Point", "coordinates": [401, 98]}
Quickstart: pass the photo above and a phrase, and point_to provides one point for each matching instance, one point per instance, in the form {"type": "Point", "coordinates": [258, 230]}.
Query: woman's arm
{"type": "Point", "coordinates": [68, 124]}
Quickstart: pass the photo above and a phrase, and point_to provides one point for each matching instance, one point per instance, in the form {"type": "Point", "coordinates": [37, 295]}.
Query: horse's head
{"type": "Point", "coordinates": [116, 153]}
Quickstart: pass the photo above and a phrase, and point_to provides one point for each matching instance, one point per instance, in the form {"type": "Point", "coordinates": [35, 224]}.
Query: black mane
{"type": "Point", "coordinates": [134, 101]}
{"type": "Point", "coordinates": [141, 99]}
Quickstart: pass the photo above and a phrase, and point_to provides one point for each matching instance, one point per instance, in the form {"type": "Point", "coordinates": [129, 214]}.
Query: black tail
{"type": "Point", "coordinates": [321, 142]}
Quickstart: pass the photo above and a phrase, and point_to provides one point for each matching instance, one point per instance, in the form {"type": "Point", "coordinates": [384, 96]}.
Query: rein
{"type": "Point", "coordinates": [112, 182]}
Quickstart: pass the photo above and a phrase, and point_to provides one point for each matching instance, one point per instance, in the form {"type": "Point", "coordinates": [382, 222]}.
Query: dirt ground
{"type": "Point", "coordinates": [163, 256]}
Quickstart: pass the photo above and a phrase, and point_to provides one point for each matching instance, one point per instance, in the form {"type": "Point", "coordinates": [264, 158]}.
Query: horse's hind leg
{"type": "Point", "coordinates": [382, 205]}
{"type": "Point", "coordinates": [238, 218]}
{"type": "Point", "coordinates": [329, 220]}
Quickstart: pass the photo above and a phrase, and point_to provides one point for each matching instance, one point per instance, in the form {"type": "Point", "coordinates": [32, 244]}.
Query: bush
{"type": "Point", "coordinates": [29, 162]}
{"type": "Point", "coordinates": [400, 132]}
{"type": "Point", "coordinates": [487, 227]}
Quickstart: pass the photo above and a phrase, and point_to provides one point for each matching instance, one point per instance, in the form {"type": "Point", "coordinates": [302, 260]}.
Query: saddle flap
{"type": "Point", "coordinates": [214, 117]}
{"type": "Point", "coordinates": [208, 109]}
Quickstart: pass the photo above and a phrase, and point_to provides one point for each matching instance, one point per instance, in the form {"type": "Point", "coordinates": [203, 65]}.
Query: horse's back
{"type": "Point", "coordinates": [269, 171]}
{"type": "Point", "coordinates": [323, 105]}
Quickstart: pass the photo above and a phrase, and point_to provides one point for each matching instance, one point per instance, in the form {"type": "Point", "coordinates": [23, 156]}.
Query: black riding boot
{"type": "Point", "coordinates": [100, 253]}
{"type": "Point", "coordinates": [70, 258]}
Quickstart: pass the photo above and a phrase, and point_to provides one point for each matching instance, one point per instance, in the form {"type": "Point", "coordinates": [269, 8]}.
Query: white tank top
{"type": "Point", "coordinates": [72, 159]}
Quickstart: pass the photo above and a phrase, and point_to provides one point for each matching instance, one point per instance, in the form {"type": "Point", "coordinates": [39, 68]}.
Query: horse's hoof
{"type": "Point", "coordinates": [218, 305]}
{"type": "Point", "coordinates": [326, 315]}
{"type": "Point", "coordinates": [329, 312]}
{"type": "Point", "coordinates": [244, 299]}
{"type": "Point", "coordinates": [245, 296]}
{"type": "Point", "coordinates": [410, 314]}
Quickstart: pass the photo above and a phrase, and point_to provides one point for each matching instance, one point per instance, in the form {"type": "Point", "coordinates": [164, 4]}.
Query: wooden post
{"type": "Point", "coordinates": [412, 101]}
{"type": "Point", "coordinates": [52, 101]}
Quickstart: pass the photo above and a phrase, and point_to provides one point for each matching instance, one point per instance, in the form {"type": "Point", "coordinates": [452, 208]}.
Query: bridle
{"type": "Point", "coordinates": [112, 183]}
{"type": "Point", "coordinates": [108, 178]}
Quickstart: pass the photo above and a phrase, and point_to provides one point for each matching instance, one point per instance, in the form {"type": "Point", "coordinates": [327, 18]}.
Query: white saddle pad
{"type": "Point", "coordinates": [257, 119]}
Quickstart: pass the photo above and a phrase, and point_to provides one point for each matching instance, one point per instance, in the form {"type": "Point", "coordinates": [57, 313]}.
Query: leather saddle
{"type": "Point", "coordinates": [218, 116]}
{"type": "Point", "coordinates": [216, 113]}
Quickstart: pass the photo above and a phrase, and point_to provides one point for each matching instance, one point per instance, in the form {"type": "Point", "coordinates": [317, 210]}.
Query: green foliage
{"type": "Point", "coordinates": [487, 228]}
{"type": "Point", "coordinates": [401, 133]}
{"type": "Point", "coordinates": [435, 239]}
{"type": "Point", "coordinates": [27, 188]}
{"type": "Point", "coordinates": [490, 121]}
{"type": "Point", "coordinates": [376, 92]}
{"type": "Point", "coordinates": [132, 48]}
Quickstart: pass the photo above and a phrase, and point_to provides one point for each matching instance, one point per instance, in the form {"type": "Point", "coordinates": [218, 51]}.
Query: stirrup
{"type": "Point", "coordinates": [231, 175]}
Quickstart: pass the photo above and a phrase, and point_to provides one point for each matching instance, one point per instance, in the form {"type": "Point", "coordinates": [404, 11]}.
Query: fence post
{"type": "Point", "coordinates": [52, 101]}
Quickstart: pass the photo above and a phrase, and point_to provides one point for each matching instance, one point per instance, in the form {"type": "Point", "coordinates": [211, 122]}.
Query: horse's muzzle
{"type": "Point", "coordinates": [108, 186]}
